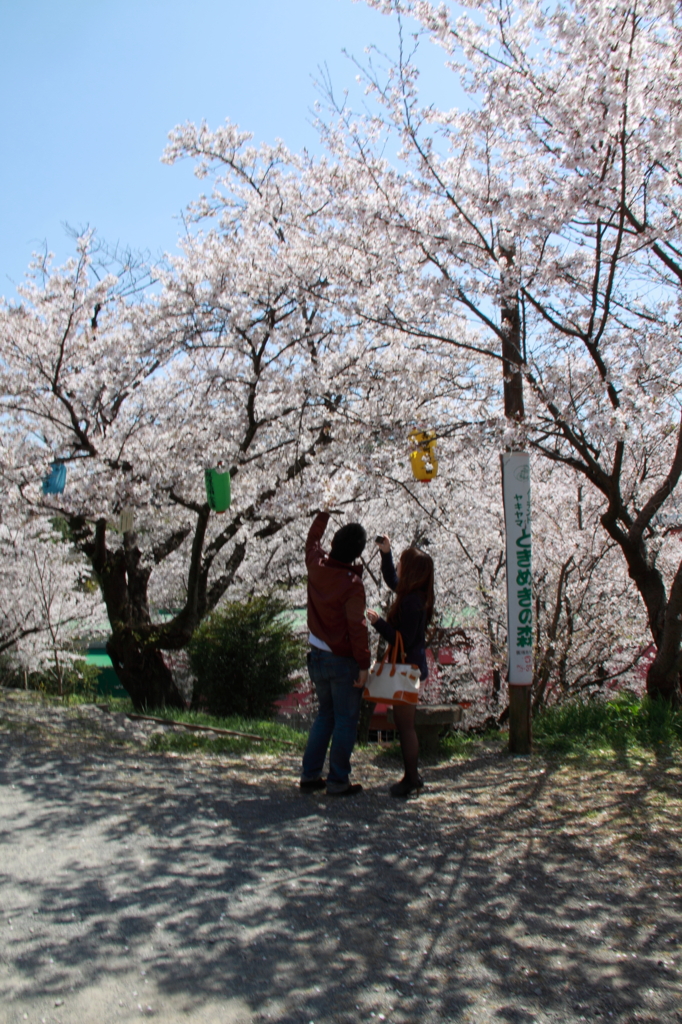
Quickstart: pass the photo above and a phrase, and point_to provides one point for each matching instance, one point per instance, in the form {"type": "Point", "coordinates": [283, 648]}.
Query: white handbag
{"type": "Point", "coordinates": [390, 682]}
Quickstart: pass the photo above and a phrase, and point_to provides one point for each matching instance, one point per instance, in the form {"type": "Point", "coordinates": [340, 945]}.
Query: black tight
{"type": "Point", "coordinates": [403, 716]}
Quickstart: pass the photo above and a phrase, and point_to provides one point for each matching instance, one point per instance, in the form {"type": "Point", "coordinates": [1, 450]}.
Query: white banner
{"type": "Point", "coordinates": [516, 491]}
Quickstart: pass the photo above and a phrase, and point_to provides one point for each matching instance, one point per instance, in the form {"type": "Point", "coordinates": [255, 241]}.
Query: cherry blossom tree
{"type": "Point", "coordinates": [506, 274]}
{"type": "Point", "coordinates": [48, 602]}
{"type": "Point", "coordinates": [537, 230]}
{"type": "Point", "coordinates": [590, 631]}
{"type": "Point", "coordinates": [135, 395]}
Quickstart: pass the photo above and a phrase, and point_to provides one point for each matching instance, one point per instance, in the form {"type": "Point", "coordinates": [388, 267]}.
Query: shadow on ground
{"type": "Point", "coordinates": [511, 891]}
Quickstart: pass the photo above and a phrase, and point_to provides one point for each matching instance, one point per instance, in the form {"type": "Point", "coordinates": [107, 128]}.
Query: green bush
{"type": "Point", "coordinates": [620, 722]}
{"type": "Point", "coordinates": [243, 656]}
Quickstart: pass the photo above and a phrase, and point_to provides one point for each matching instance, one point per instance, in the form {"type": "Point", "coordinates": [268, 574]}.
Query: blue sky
{"type": "Point", "coordinates": [89, 91]}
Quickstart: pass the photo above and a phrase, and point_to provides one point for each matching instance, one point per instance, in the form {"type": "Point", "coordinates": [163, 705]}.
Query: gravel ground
{"type": "Point", "coordinates": [209, 889]}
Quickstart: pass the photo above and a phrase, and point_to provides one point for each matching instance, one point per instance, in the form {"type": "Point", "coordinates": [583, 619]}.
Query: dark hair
{"type": "Point", "coordinates": [348, 543]}
{"type": "Point", "coordinates": [416, 574]}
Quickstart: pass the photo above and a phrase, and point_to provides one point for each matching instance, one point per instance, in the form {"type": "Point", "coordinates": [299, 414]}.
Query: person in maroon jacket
{"type": "Point", "coordinates": [338, 661]}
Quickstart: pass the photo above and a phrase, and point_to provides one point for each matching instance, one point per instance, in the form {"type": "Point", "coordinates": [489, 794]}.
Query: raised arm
{"type": "Point", "coordinates": [315, 533]}
{"type": "Point", "coordinates": [388, 570]}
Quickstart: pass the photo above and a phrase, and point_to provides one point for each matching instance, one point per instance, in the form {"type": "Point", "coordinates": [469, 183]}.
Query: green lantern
{"type": "Point", "coordinates": [217, 488]}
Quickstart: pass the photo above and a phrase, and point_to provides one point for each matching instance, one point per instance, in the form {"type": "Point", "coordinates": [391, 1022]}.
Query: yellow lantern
{"type": "Point", "coordinates": [423, 459]}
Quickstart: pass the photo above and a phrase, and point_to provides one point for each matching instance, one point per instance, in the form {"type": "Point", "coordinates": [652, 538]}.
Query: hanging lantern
{"type": "Point", "coordinates": [55, 481]}
{"type": "Point", "coordinates": [423, 459]}
{"type": "Point", "coordinates": [217, 488]}
{"type": "Point", "coordinates": [127, 520]}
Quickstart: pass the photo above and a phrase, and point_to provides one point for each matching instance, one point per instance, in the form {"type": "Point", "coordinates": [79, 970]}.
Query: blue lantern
{"type": "Point", "coordinates": [55, 481]}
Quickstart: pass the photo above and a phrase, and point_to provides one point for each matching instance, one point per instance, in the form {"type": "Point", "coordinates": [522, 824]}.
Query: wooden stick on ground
{"type": "Point", "coordinates": [211, 728]}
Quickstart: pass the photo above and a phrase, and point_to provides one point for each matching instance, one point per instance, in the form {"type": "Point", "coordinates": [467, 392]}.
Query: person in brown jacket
{"type": "Point", "coordinates": [338, 660]}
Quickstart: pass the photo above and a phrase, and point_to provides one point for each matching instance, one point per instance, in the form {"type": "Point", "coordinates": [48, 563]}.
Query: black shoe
{"type": "Point", "coordinates": [405, 787]}
{"type": "Point", "coordinates": [310, 784]}
{"type": "Point", "coordinates": [351, 791]}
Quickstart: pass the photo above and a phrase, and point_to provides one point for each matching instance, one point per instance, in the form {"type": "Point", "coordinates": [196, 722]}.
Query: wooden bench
{"type": "Point", "coordinates": [429, 722]}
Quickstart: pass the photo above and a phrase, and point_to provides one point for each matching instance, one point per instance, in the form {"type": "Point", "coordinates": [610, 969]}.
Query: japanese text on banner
{"type": "Point", "coordinates": [516, 488]}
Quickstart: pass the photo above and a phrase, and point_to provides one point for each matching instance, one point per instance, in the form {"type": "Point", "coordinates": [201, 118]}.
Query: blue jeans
{"type": "Point", "coordinates": [337, 718]}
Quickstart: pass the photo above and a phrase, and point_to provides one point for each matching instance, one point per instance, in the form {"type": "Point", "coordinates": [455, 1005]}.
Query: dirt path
{"type": "Point", "coordinates": [209, 890]}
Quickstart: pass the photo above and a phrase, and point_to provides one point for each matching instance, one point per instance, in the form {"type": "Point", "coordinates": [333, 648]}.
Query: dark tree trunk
{"type": "Point", "coordinates": [366, 712]}
{"type": "Point", "coordinates": [664, 612]}
{"type": "Point", "coordinates": [512, 361]}
{"type": "Point", "coordinates": [662, 680]}
{"type": "Point", "coordinates": [663, 677]}
{"type": "Point", "coordinates": [136, 643]}
{"type": "Point", "coordinates": [546, 664]}
{"type": "Point", "coordinates": [143, 673]}
{"type": "Point", "coordinates": [134, 646]}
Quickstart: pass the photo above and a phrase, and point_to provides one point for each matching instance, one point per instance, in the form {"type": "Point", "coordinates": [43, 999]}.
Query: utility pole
{"type": "Point", "coordinates": [516, 496]}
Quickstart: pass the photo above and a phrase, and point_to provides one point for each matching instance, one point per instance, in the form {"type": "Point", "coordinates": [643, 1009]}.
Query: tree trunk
{"type": "Point", "coordinates": [663, 677]}
{"type": "Point", "coordinates": [366, 712]}
{"type": "Point", "coordinates": [546, 664]}
{"type": "Point", "coordinates": [136, 643]}
{"type": "Point", "coordinates": [143, 673]}
{"type": "Point", "coordinates": [512, 362]}
{"type": "Point", "coordinates": [664, 612]}
{"type": "Point", "coordinates": [133, 646]}
{"type": "Point", "coordinates": [664, 681]}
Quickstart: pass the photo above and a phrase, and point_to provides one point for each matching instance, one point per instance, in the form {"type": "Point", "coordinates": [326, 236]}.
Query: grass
{"type": "Point", "coordinates": [463, 744]}
{"type": "Point", "coordinates": [574, 728]}
{"type": "Point", "coordinates": [618, 724]}
{"type": "Point", "coordinates": [582, 727]}
{"type": "Point", "coordinates": [71, 700]}
{"type": "Point", "coordinates": [276, 735]}
{"type": "Point", "coordinates": [453, 744]}
{"type": "Point", "coordinates": [118, 704]}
